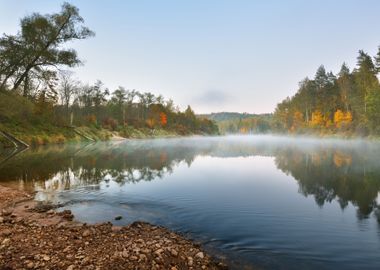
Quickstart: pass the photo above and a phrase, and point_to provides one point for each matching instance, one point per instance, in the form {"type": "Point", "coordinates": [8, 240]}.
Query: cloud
{"type": "Point", "coordinates": [213, 97]}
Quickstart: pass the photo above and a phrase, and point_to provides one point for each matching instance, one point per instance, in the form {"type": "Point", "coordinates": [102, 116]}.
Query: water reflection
{"type": "Point", "coordinates": [348, 172]}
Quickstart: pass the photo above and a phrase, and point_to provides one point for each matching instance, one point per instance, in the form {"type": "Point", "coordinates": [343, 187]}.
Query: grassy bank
{"type": "Point", "coordinates": [48, 134]}
{"type": "Point", "coordinates": [46, 123]}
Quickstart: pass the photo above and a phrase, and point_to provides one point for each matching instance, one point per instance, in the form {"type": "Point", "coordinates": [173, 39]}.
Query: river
{"type": "Point", "coordinates": [262, 201]}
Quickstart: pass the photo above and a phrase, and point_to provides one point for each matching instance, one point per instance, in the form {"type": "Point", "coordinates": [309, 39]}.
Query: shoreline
{"type": "Point", "coordinates": [35, 236]}
{"type": "Point", "coordinates": [87, 134]}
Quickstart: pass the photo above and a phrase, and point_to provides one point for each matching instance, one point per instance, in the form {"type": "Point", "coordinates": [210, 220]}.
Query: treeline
{"type": "Point", "coordinates": [35, 90]}
{"type": "Point", "coordinates": [242, 123]}
{"type": "Point", "coordinates": [348, 102]}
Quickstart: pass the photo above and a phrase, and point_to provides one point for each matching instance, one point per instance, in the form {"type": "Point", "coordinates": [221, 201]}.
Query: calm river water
{"type": "Point", "coordinates": [263, 201]}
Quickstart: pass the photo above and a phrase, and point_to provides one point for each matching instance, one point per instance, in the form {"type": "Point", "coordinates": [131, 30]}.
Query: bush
{"type": "Point", "coordinates": [110, 123]}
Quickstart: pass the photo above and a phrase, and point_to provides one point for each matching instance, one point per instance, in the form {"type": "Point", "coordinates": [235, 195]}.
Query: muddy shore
{"type": "Point", "coordinates": [36, 236]}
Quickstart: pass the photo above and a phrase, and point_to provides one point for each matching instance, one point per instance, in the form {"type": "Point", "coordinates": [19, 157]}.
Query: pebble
{"type": "Point", "coordinates": [6, 212]}
{"type": "Point", "coordinates": [1, 219]}
{"type": "Point", "coordinates": [200, 255]}
{"type": "Point", "coordinates": [143, 257]}
{"type": "Point", "coordinates": [71, 267]}
{"type": "Point", "coordinates": [189, 261]}
{"type": "Point", "coordinates": [30, 265]}
{"type": "Point", "coordinates": [174, 252]}
{"type": "Point", "coordinates": [86, 233]}
{"type": "Point", "coordinates": [125, 254]}
{"type": "Point", "coordinates": [46, 258]}
{"type": "Point", "coordinates": [116, 228]}
{"type": "Point", "coordinates": [6, 232]}
{"type": "Point", "coordinates": [6, 241]}
{"type": "Point", "coordinates": [19, 219]}
{"type": "Point", "coordinates": [159, 251]}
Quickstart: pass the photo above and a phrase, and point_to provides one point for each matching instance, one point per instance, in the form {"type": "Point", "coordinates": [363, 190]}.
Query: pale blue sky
{"type": "Point", "coordinates": [215, 55]}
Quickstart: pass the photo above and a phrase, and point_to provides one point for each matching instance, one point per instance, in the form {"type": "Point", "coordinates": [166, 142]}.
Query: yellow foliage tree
{"type": "Point", "coordinates": [297, 120]}
{"type": "Point", "coordinates": [243, 130]}
{"type": "Point", "coordinates": [348, 117]}
{"type": "Point", "coordinates": [341, 118]}
{"type": "Point", "coordinates": [150, 122]}
{"type": "Point", "coordinates": [317, 119]}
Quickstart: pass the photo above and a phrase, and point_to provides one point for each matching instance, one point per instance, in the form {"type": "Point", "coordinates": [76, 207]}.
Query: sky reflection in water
{"type": "Point", "coordinates": [274, 202]}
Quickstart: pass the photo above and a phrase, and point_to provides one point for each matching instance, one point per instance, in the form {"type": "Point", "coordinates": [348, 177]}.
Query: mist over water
{"type": "Point", "coordinates": [267, 201]}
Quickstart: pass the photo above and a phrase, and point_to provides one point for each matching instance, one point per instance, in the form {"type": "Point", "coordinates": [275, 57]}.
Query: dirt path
{"type": "Point", "coordinates": [35, 236]}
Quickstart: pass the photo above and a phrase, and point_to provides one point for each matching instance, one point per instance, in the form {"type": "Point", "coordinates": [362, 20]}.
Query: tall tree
{"type": "Point", "coordinates": [38, 47]}
{"type": "Point", "coordinates": [377, 60]}
{"type": "Point", "coordinates": [365, 80]}
{"type": "Point", "coordinates": [119, 97]}
{"type": "Point", "coordinates": [346, 85]}
{"type": "Point", "coordinates": [67, 89]}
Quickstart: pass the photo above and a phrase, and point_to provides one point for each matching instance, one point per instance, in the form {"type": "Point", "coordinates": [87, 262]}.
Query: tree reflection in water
{"type": "Point", "coordinates": [346, 172]}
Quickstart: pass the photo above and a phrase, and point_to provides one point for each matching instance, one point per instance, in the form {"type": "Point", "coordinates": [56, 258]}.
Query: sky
{"type": "Point", "coordinates": [215, 55]}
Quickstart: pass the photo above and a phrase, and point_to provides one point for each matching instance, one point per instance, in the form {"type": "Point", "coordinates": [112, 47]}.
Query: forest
{"type": "Point", "coordinates": [242, 123]}
{"type": "Point", "coordinates": [345, 103]}
{"type": "Point", "coordinates": [40, 96]}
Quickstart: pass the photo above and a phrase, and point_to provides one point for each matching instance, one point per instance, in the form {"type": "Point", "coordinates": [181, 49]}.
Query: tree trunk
{"type": "Point", "coordinates": [26, 86]}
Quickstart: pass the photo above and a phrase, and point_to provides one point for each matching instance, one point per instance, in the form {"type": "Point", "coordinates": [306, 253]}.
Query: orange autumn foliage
{"type": "Point", "coordinates": [341, 118]}
{"type": "Point", "coordinates": [163, 119]}
{"type": "Point", "coordinates": [317, 119]}
{"type": "Point", "coordinates": [341, 159]}
{"type": "Point", "coordinates": [297, 120]}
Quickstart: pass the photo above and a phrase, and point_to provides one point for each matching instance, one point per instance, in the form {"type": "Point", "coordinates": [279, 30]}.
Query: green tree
{"type": "Point", "coordinates": [345, 85]}
{"type": "Point", "coordinates": [365, 80]}
{"type": "Point", "coordinates": [373, 109]}
{"type": "Point", "coordinates": [119, 97]}
{"type": "Point", "coordinates": [37, 50]}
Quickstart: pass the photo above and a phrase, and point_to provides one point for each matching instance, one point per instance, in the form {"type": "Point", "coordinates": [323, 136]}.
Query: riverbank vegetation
{"type": "Point", "coordinates": [347, 103]}
{"type": "Point", "coordinates": [41, 102]}
{"type": "Point", "coordinates": [242, 123]}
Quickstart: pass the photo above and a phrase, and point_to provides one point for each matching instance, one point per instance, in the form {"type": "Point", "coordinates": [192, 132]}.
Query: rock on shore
{"type": "Point", "coordinates": [50, 240]}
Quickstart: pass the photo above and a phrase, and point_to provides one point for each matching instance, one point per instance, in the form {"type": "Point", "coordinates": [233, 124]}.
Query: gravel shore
{"type": "Point", "coordinates": [35, 236]}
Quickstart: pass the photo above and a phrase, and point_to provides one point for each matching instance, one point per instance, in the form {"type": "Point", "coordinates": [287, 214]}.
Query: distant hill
{"type": "Point", "coordinates": [225, 116]}
{"type": "Point", "coordinates": [241, 123]}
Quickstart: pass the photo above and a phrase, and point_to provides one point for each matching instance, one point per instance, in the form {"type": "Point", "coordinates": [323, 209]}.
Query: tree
{"type": "Point", "coordinates": [365, 80]}
{"type": "Point", "coordinates": [163, 119]}
{"type": "Point", "coordinates": [66, 90]}
{"type": "Point", "coordinates": [119, 97]}
{"type": "Point", "coordinates": [99, 96]}
{"type": "Point", "coordinates": [317, 119]}
{"type": "Point", "coordinates": [307, 97]}
{"type": "Point", "coordinates": [297, 120]}
{"type": "Point", "coordinates": [377, 60]}
{"type": "Point", "coordinates": [345, 85]}
{"type": "Point", "coordinates": [321, 80]}
{"type": "Point", "coordinates": [373, 109]}
{"type": "Point", "coordinates": [38, 50]}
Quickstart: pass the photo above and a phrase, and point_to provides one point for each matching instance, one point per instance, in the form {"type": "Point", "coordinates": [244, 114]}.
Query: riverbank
{"type": "Point", "coordinates": [36, 236]}
{"type": "Point", "coordinates": [44, 135]}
